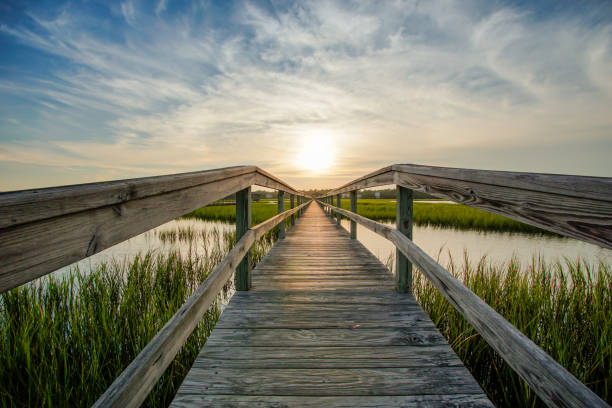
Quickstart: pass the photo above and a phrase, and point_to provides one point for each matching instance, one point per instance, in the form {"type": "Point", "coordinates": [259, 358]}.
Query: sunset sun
{"type": "Point", "coordinates": [316, 152]}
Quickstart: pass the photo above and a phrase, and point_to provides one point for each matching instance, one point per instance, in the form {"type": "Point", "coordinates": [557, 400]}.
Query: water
{"type": "Point", "coordinates": [439, 243]}
{"type": "Point", "coordinates": [150, 241]}
{"type": "Point", "coordinates": [444, 243]}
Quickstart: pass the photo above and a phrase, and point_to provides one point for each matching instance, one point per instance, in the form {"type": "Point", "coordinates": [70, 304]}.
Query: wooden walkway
{"type": "Point", "coordinates": [323, 326]}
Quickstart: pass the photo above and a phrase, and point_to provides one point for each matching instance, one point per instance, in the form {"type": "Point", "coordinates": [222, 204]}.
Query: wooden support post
{"type": "Point", "coordinates": [403, 268]}
{"type": "Point", "coordinates": [281, 208]}
{"type": "Point", "coordinates": [242, 276]}
{"type": "Point", "coordinates": [292, 205]}
{"type": "Point", "coordinates": [353, 209]}
{"type": "Point", "coordinates": [299, 202]}
{"type": "Point", "coordinates": [338, 216]}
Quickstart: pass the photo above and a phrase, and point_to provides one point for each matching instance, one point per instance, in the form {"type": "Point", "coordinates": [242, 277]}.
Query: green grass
{"type": "Point", "coordinates": [439, 215]}
{"type": "Point", "coordinates": [260, 211]}
{"type": "Point", "coordinates": [442, 215]}
{"type": "Point", "coordinates": [64, 339]}
{"type": "Point", "coordinates": [564, 307]}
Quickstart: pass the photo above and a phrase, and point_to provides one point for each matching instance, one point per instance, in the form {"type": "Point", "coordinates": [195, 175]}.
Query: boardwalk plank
{"type": "Point", "coordinates": [322, 326]}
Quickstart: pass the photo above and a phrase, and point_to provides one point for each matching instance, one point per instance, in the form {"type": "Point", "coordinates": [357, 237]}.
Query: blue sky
{"type": "Point", "coordinates": [94, 91]}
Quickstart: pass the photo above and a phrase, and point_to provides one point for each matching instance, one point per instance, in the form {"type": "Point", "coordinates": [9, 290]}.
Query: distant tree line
{"type": "Point", "coordinates": [387, 193]}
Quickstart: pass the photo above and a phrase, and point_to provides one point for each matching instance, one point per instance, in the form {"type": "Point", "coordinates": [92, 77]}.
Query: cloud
{"type": "Point", "coordinates": [127, 9]}
{"type": "Point", "coordinates": [161, 7]}
{"type": "Point", "coordinates": [396, 81]}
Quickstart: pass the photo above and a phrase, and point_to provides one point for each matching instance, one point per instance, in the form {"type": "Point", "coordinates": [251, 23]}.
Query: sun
{"type": "Point", "coordinates": [316, 152]}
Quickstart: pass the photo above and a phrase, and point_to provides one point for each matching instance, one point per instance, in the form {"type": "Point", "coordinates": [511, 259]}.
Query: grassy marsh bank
{"type": "Point", "coordinates": [434, 214]}
{"type": "Point", "coordinates": [443, 215]}
{"type": "Point", "coordinates": [564, 307]}
{"type": "Point", "coordinates": [64, 339]}
{"type": "Point", "coordinates": [260, 211]}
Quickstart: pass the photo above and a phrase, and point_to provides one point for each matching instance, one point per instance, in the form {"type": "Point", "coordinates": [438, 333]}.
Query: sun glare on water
{"type": "Point", "coordinates": [316, 152]}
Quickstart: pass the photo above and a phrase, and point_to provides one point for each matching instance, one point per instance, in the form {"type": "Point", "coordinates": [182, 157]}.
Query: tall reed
{"type": "Point", "coordinates": [65, 338]}
{"type": "Point", "coordinates": [443, 215]}
{"type": "Point", "coordinates": [564, 307]}
{"type": "Point", "coordinates": [260, 211]}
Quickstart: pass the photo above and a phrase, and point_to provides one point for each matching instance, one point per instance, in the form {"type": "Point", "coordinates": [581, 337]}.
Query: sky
{"type": "Point", "coordinates": [317, 93]}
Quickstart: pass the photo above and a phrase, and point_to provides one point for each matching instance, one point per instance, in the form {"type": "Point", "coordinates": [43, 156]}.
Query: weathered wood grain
{"type": "Point", "coordinates": [242, 276]}
{"type": "Point", "coordinates": [260, 401]}
{"type": "Point", "coordinates": [291, 205]}
{"type": "Point", "coordinates": [134, 384]}
{"type": "Point", "coordinates": [315, 296]}
{"type": "Point", "coordinates": [281, 208]}
{"type": "Point", "coordinates": [583, 218]}
{"type": "Point", "coordinates": [20, 207]}
{"type": "Point", "coordinates": [46, 229]}
{"type": "Point", "coordinates": [323, 319]}
{"type": "Point", "coordinates": [331, 382]}
{"type": "Point", "coordinates": [353, 209]}
{"type": "Point", "coordinates": [338, 337]}
{"type": "Point", "coordinates": [575, 206]}
{"type": "Point", "coordinates": [31, 250]}
{"type": "Point", "coordinates": [403, 222]}
{"type": "Point", "coordinates": [265, 179]}
{"type": "Point", "coordinates": [326, 357]}
{"type": "Point", "coordinates": [551, 382]}
{"type": "Point", "coordinates": [597, 188]}
{"type": "Point", "coordinates": [338, 204]}
{"type": "Point", "coordinates": [377, 178]}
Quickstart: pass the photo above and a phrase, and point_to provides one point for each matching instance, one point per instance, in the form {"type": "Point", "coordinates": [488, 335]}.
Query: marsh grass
{"type": "Point", "coordinates": [64, 339]}
{"type": "Point", "coordinates": [260, 211]}
{"type": "Point", "coordinates": [564, 307]}
{"type": "Point", "coordinates": [443, 215]}
{"type": "Point", "coordinates": [439, 215]}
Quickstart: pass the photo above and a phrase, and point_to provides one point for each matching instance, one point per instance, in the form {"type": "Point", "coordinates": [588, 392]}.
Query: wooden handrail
{"type": "Point", "coordinates": [550, 381]}
{"type": "Point", "coordinates": [43, 230]}
{"type": "Point", "coordinates": [575, 206]}
{"type": "Point", "coordinates": [131, 388]}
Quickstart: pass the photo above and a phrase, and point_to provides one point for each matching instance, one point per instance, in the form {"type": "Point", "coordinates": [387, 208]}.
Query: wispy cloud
{"type": "Point", "coordinates": [127, 9]}
{"type": "Point", "coordinates": [402, 81]}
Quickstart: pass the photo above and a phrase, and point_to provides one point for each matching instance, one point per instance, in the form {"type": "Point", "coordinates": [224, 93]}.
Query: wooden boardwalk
{"type": "Point", "coordinates": [322, 326]}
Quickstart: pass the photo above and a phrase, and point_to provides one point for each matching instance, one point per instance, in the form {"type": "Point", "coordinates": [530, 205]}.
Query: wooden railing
{"type": "Point", "coordinates": [578, 207]}
{"type": "Point", "coordinates": [45, 229]}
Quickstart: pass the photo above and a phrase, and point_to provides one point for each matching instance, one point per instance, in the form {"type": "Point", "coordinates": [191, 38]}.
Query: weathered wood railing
{"type": "Point", "coordinates": [579, 207]}
{"type": "Point", "coordinates": [46, 229]}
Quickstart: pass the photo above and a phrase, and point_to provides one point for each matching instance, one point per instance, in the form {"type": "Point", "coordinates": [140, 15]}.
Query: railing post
{"type": "Point", "coordinates": [353, 209]}
{"type": "Point", "coordinates": [242, 277]}
{"type": "Point", "coordinates": [281, 208]}
{"type": "Point", "coordinates": [292, 205]}
{"type": "Point", "coordinates": [403, 268]}
{"type": "Point", "coordinates": [338, 216]}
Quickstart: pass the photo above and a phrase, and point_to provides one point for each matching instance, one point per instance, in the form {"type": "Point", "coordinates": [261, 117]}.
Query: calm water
{"type": "Point", "coordinates": [440, 243]}
{"type": "Point", "coordinates": [443, 243]}
{"type": "Point", "coordinates": [150, 241]}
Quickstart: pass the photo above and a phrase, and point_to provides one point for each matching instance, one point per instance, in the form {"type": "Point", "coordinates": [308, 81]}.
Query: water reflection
{"type": "Point", "coordinates": [160, 240]}
{"type": "Point", "coordinates": [440, 243]}
{"type": "Point", "coordinates": [443, 243]}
